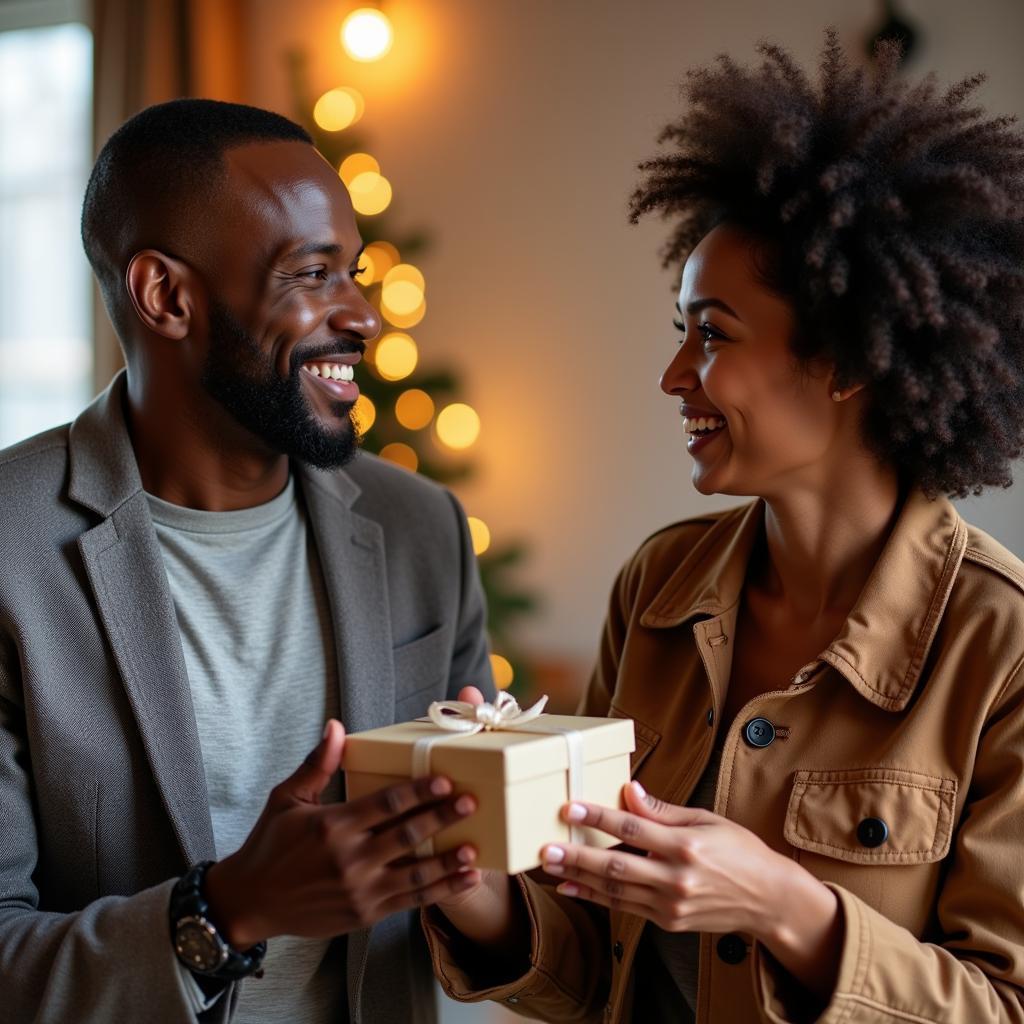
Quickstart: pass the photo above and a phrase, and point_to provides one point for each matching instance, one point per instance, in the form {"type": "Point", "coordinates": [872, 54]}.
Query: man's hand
{"type": "Point", "coordinates": [321, 870]}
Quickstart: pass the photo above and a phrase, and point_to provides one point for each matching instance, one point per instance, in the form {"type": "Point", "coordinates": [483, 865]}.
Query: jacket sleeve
{"type": "Point", "coordinates": [111, 960]}
{"type": "Point", "coordinates": [975, 970]}
{"type": "Point", "coordinates": [471, 663]}
{"type": "Point", "coordinates": [569, 964]}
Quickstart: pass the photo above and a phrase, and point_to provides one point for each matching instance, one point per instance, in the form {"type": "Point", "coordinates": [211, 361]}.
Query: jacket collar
{"type": "Point", "coordinates": [883, 645]}
{"type": "Point", "coordinates": [104, 473]}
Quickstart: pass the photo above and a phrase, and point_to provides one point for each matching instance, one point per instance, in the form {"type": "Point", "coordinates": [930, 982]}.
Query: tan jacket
{"type": "Point", "coordinates": [913, 716]}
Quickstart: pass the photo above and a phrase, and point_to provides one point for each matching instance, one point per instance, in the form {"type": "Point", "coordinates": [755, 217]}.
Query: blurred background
{"type": "Point", "coordinates": [490, 148]}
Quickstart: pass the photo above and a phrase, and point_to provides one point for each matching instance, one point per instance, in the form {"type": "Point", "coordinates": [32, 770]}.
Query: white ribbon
{"type": "Point", "coordinates": [465, 719]}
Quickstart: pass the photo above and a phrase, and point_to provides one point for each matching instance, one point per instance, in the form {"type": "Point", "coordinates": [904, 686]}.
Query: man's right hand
{"type": "Point", "coordinates": [321, 870]}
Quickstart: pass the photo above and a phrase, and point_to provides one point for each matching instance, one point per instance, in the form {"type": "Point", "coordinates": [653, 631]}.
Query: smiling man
{"type": "Point", "coordinates": [198, 579]}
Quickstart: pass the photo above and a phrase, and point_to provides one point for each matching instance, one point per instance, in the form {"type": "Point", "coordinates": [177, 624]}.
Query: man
{"type": "Point", "coordinates": [192, 588]}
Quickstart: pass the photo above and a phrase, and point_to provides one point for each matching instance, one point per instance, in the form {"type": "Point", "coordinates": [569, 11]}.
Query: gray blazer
{"type": "Point", "coordinates": [102, 792]}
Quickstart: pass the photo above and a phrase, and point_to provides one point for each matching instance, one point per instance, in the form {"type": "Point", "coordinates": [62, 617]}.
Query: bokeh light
{"type": "Point", "coordinates": [404, 321]}
{"type": "Point", "coordinates": [366, 34]}
{"type": "Point", "coordinates": [395, 356]}
{"type": "Point", "coordinates": [378, 258]}
{"type": "Point", "coordinates": [365, 414]}
{"type": "Point", "coordinates": [401, 455]}
{"type": "Point", "coordinates": [414, 409]}
{"type": "Point", "coordinates": [503, 673]}
{"type": "Point", "coordinates": [370, 193]}
{"type": "Point", "coordinates": [458, 425]}
{"type": "Point", "coordinates": [338, 108]}
{"type": "Point", "coordinates": [356, 164]}
{"type": "Point", "coordinates": [480, 535]}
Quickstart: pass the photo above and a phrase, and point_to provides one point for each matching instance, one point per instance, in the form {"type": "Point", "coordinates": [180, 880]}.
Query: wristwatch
{"type": "Point", "coordinates": [198, 944]}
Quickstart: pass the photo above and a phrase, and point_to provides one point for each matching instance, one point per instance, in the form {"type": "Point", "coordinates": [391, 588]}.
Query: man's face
{"type": "Point", "coordinates": [287, 323]}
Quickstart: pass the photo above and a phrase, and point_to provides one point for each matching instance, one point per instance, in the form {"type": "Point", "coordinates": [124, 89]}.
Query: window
{"type": "Point", "coordinates": [45, 280]}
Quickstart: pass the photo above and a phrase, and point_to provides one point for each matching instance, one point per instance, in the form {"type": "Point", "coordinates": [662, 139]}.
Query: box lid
{"type": "Point", "coordinates": [510, 756]}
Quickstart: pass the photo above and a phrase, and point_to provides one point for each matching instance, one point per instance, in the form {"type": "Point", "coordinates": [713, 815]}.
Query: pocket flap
{"type": "Point", "coordinates": [836, 813]}
{"type": "Point", "coordinates": [645, 737]}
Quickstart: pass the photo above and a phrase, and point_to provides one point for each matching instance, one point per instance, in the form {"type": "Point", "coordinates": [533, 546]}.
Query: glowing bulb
{"type": "Point", "coordinates": [503, 673]}
{"type": "Point", "coordinates": [401, 455]}
{"type": "Point", "coordinates": [458, 425]}
{"type": "Point", "coordinates": [365, 413]}
{"type": "Point", "coordinates": [356, 164]}
{"type": "Point", "coordinates": [366, 34]}
{"type": "Point", "coordinates": [370, 193]}
{"type": "Point", "coordinates": [414, 409]}
{"type": "Point", "coordinates": [338, 108]}
{"type": "Point", "coordinates": [396, 356]}
{"type": "Point", "coordinates": [480, 535]}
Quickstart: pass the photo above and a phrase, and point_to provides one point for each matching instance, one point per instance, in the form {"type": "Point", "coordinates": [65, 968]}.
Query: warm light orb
{"type": "Point", "coordinates": [503, 673]}
{"type": "Point", "coordinates": [366, 34]}
{"type": "Point", "coordinates": [338, 108]}
{"type": "Point", "coordinates": [396, 356]}
{"type": "Point", "coordinates": [364, 412]}
{"type": "Point", "coordinates": [401, 455]}
{"type": "Point", "coordinates": [480, 535]}
{"type": "Point", "coordinates": [370, 193]}
{"type": "Point", "coordinates": [404, 320]}
{"type": "Point", "coordinates": [458, 425]}
{"type": "Point", "coordinates": [356, 164]}
{"type": "Point", "coordinates": [414, 409]}
{"type": "Point", "coordinates": [379, 257]}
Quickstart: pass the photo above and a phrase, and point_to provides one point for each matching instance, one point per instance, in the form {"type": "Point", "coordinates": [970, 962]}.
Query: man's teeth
{"type": "Point", "coordinates": [694, 425]}
{"type": "Point", "coordinates": [335, 371]}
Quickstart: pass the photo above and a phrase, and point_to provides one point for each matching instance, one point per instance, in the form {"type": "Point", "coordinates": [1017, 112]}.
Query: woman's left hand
{"type": "Point", "coordinates": [702, 872]}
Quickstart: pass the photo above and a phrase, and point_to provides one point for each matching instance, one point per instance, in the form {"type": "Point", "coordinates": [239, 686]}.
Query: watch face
{"type": "Point", "coordinates": [197, 945]}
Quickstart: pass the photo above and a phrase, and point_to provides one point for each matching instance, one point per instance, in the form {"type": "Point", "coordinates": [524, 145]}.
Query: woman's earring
{"type": "Point", "coordinates": [837, 396]}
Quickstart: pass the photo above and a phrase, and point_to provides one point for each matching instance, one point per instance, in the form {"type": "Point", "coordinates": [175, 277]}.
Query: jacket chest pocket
{"type": "Point", "coordinates": [878, 832]}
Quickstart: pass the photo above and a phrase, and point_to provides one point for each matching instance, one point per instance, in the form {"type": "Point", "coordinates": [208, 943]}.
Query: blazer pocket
{"type": "Point", "coordinates": [872, 815]}
{"type": "Point", "coordinates": [646, 739]}
{"type": "Point", "coordinates": [421, 672]}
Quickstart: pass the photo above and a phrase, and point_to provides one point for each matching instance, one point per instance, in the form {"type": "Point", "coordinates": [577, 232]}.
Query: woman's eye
{"type": "Point", "coordinates": [709, 332]}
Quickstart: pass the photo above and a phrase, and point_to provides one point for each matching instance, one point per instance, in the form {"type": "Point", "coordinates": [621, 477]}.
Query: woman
{"type": "Point", "coordinates": [828, 810]}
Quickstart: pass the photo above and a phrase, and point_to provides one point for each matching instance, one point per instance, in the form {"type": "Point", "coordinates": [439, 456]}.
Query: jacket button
{"type": "Point", "coordinates": [872, 832]}
{"type": "Point", "coordinates": [617, 951]}
{"type": "Point", "coordinates": [732, 949]}
{"type": "Point", "coordinates": [759, 732]}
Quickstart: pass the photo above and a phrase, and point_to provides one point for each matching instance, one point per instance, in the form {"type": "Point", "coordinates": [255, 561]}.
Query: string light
{"type": "Point", "coordinates": [414, 409]}
{"type": "Point", "coordinates": [458, 426]}
{"type": "Point", "coordinates": [396, 356]}
{"type": "Point", "coordinates": [401, 455]}
{"type": "Point", "coordinates": [338, 108]}
{"type": "Point", "coordinates": [480, 535]}
{"type": "Point", "coordinates": [366, 34]}
{"type": "Point", "coordinates": [503, 672]}
{"type": "Point", "coordinates": [365, 414]}
{"type": "Point", "coordinates": [404, 321]}
{"type": "Point", "coordinates": [370, 193]}
{"type": "Point", "coordinates": [356, 164]}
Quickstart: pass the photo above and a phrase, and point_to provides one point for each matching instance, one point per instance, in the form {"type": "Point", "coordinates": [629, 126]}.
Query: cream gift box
{"type": "Point", "coordinates": [520, 776]}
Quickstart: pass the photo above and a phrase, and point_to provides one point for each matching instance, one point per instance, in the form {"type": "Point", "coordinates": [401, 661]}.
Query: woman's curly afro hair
{"type": "Point", "coordinates": [894, 214]}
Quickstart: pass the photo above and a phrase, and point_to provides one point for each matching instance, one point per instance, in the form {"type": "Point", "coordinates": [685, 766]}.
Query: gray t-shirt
{"type": "Point", "coordinates": [258, 645]}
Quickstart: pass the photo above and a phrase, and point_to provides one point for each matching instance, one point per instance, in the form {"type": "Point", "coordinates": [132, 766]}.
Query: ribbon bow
{"type": "Point", "coordinates": [504, 713]}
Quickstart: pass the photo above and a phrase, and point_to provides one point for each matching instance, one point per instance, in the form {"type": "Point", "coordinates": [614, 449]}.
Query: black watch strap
{"type": "Point", "coordinates": [191, 926]}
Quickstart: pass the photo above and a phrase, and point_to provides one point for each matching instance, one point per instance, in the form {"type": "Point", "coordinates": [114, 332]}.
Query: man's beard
{"type": "Point", "coordinates": [240, 376]}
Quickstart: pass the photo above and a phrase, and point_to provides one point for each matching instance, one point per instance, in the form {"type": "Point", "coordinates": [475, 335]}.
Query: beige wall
{"type": "Point", "coordinates": [511, 128]}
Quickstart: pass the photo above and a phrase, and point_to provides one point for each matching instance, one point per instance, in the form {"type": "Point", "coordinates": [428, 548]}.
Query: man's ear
{"type": "Point", "coordinates": [160, 287]}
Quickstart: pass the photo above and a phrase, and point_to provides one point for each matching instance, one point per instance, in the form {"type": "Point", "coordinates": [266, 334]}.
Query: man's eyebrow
{"type": "Point", "coordinates": [320, 249]}
{"type": "Point", "coordinates": [699, 305]}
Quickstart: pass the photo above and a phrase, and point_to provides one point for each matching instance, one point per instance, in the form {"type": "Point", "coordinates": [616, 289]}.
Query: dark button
{"type": "Point", "coordinates": [732, 949]}
{"type": "Point", "coordinates": [617, 950]}
{"type": "Point", "coordinates": [711, 716]}
{"type": "Point", "coordinates": [759, 732]}
{"type": "Point", "coordinates": [872, 832]}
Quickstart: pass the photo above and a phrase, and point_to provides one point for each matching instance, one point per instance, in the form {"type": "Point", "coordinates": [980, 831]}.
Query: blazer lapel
{"type": "Point", "coordinates": [129, 583]}
{"type": "Point", "coordinates": [352, 558]}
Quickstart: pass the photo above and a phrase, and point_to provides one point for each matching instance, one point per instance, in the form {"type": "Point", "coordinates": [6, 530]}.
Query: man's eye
{"type": "Point", "coordinates": [319, 273]}
{"type": "Point", "coordinates": [357, 272]}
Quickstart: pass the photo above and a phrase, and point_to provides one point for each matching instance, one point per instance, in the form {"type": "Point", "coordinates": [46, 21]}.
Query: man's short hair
{"type": "Point", "coordinates": [156, 175]}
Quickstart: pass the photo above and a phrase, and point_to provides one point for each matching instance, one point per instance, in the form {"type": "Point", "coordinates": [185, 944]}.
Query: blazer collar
{"type": "Point", "coordinates": [884, 643]}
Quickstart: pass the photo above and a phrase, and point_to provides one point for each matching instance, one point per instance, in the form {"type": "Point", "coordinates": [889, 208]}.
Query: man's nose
{"type": "Point", "coordinates": [355, 314]}
{"type": "Point", "coordinates": [680, 376]}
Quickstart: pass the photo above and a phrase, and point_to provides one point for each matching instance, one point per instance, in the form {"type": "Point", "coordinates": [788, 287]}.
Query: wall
{"type": "Point", "coordinates": [511, 128]}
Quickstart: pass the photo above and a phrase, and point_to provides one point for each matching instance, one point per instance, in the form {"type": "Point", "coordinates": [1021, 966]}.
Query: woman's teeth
{"type": "Point", "coordinates": [702, 424]}
{"type": "Point", "coordinates": [335, 371]}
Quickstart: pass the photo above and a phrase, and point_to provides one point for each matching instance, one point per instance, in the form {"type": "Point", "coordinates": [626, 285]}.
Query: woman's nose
{"type": "Point", "coordinates": [680, 376]}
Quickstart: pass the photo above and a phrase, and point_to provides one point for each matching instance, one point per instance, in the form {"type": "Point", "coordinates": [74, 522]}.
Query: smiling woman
{"type": "Point", "coordinates": [826, 682]}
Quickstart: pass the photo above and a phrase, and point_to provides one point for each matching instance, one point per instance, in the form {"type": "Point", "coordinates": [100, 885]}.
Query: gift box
{"type": "Point", "coordinates": [521, 773]}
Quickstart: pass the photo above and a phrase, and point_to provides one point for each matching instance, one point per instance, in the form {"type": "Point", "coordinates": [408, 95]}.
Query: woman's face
{"type": "Point", "coordinates": [757, 422]}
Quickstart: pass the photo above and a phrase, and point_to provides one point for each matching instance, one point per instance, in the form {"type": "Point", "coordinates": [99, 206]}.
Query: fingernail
{"type": "Point", "coordinates": [466, 854]}
{"type": "Point", "coordinates": [576, 812]}
{"type": "Point", "coordinates": [327, 728]}
{"type": "Point", "coordinates": [639, 790]}
{"type": "Point", "coordinates": [568, 889]}
{"type": "Point", "coordinates": [554, 854]}
{"type": "Point", "coordinates": [440, 787]}
{"type": "Point", "coordinates": [465, 805]}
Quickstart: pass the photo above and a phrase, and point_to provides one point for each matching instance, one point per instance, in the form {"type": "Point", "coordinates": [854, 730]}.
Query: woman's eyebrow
{"type": "Point", "coordinates": [699, 305]}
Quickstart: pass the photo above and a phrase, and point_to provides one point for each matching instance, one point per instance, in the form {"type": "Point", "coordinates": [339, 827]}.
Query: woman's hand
{"type": "Point", "coordinates": [702, 872]}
